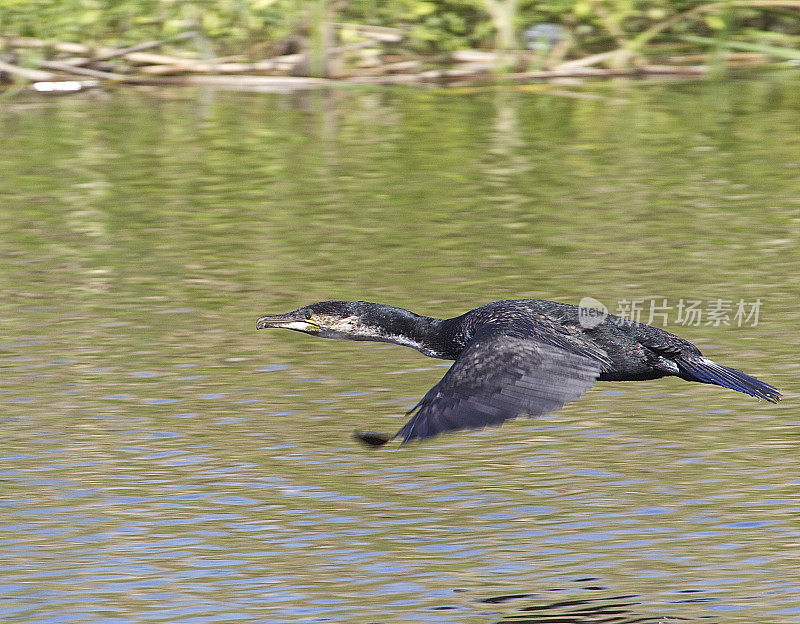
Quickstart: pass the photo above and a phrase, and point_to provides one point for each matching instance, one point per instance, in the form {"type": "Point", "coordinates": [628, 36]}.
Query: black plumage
{"type": "Point", "coordinates": [514, 357]}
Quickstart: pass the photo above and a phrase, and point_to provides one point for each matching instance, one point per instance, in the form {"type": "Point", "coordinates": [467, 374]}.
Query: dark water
{"type": "Point", "coordinates": [163, 462]}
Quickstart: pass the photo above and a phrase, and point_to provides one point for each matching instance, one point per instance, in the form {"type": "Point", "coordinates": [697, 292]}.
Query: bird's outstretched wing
{"type": "Point", "coordinates": [498, 376]}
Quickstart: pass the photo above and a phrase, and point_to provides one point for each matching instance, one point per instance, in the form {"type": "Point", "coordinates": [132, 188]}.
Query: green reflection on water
{"type": "Point", "coordinates": [142, 234]}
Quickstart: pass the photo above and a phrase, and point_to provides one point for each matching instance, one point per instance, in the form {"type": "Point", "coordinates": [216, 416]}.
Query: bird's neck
{"type": "Point", "coordinates": [424, 334]}
{"type": "Point", "coordinates": [430, 336]}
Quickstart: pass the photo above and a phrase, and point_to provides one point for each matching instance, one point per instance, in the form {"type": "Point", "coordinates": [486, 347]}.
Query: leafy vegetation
{"type": "Point", "coordinates": [431, 26]}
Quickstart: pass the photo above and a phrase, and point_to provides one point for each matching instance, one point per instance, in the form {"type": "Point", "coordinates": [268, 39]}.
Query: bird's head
{"type": "Point", "coordinates": [351, 320]}
{"type": "Point", "coordinates": [359, 320]}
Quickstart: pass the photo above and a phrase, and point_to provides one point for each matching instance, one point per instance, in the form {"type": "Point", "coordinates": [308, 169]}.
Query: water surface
{"type": "Point", "coordinates": [163, 462]}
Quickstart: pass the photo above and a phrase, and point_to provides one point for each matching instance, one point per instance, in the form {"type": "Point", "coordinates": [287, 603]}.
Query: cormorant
{"type": "Point", "coordinates": [514, 357]}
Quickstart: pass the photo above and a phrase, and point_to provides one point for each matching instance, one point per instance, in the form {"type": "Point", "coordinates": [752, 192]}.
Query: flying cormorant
{"type": "Point", "coordinates": [514, 357]}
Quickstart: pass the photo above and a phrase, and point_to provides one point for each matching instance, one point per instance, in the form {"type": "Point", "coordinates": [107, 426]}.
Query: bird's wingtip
{"type": "Point", "coordinates": [373, 439]}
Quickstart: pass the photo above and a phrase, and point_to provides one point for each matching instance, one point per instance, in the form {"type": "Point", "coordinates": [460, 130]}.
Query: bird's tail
{"type": "Point", "coordinates": [704, 370]}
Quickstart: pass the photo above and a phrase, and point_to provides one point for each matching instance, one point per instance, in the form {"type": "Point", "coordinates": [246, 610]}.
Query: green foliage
{"type": "Point", "coordinates": [432, 25]}
{"type": "Point", "coordinates": [231, 23]}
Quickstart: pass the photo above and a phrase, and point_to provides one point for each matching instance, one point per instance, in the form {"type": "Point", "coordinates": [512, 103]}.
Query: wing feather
{"type": "Point", "coordinates": [498, 376]}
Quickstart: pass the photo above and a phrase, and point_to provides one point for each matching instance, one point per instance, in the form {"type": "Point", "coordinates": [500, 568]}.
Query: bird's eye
{"type": "Point", "coordinates": [308, 315]}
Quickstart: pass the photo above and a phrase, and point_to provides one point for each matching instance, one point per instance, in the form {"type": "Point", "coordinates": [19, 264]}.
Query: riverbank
{"type": "Point", "coordinates": [362, 54]}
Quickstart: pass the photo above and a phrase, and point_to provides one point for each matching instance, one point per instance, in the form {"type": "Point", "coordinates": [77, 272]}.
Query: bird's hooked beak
{"type": "Point", "coordinates": [290, 320]}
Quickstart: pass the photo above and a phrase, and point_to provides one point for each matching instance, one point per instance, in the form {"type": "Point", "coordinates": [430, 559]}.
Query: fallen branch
{"type": "Point", "coordinates": [151, 58]}
{"type": "Point", "coordinates": [401, 67]}
{"type": "Point", "coordinates": [591, 72]}
{"type": "Point", "coordinates": [196, 67]}
{"type": "Point", "coordinates": [58, 46]}
{"type": "Point", "coordinates": [93, 54]}
{"type": "Point", "coordinates": [386, 80]}
{"type": "Point", "coordinates": [730, 58]}
{"type": "Point", "coordinates": [272, 84]}
{"type": "Point", "coordinates": [139, 47]}
{"type": "Point", "coordinates": [490, 56]}
{"type": "Point", "coordinates": [463, 76]}
{"type": "Point", "coordinates": [24, 72]}
{"type": "Point", "coordinates": [285, 64]}
{"type": "Point", "coordinates": [474, 72]}
{"type": "Point", "coordinates": [81, 71]}
{"type": "Point", "coordinates": [282, 64]}
{"type": "Point", "coordinates": [586, 61]}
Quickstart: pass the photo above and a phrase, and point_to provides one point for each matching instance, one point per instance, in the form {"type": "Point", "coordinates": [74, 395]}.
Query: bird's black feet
{"type": "Point", "coordinates": [371, 438]}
